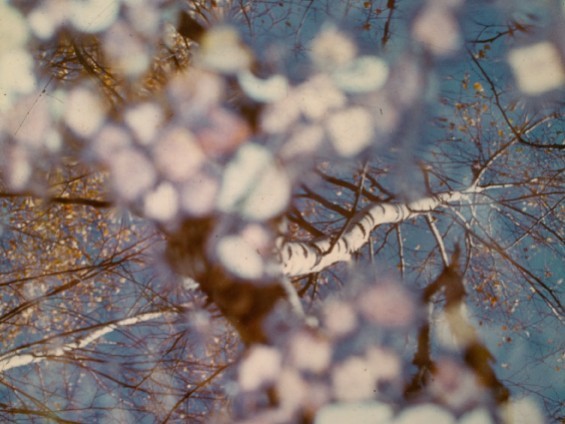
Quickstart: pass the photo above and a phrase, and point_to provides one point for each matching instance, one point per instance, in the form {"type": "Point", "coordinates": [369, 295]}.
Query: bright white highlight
{"type": "Point", "coordinates": [128, 52]}
{"type": "Point", "coordinates": [254, 185]}
{"type": "Point", "coordinates": [339, 318]}
{"type": "Point", "coordinates": [437, 29]}
{"type": "Point", "coordinates": [29, 120]}
{"type": "Point", "coordinates": [46, 18]}
{"type": "Point", "coordinates": [353, 380]}
{"type": "Point", "coordinates": [537, 68]}
{"type": "Point", "coordinates": [318, 96]}
{"type": "Point", "coordinates": [240, 257]}
{"type": "Point", "coordinates": [385, 364]}
{"type": "Point", "coordinates": [198, 195]}
{"type": "Point", "coordinates": [263, 90]}
{"type": "Point", "coordinates": [18, 167]}
{"type": "Point", "coordinates": [13, 29]}
{"type": "Point", "coordinates": [94, 15]}
{"type": "Point", "coordinates": [84, 112]}
{"type": "Point", "coordinates": [109, 140]}
{"type": "Point", "coordinates": [304, 141]}
{"type": "Point", "coordinates": [477, 416]}
{"type": "Point", "coordinates": [332, 48]}
{"type": "Point", "coordinates": [425, 414]}
{"type": "Point", "coordinates": [355, 412]}
{"type": "Point", "coordinates": [16, 76]}
{"type": "Point", "coordinates": [523, 411]}
{"type": "Point", "coordinates": [279, 116]}
{"type": "Point", "coordinates": [309, 353]}
{"type": "Point", "coordinates": [132, 173]}
{"type": "Point", "coordinates": [292, 389]}
{"type": "Point", "coordinates": [162, 203]}
{"type": "Point", "coordinates": [350, 131]}
{"type": "Point", "coordinates": [222, 51]}
{"type": "Point", "coordinates": [261, 366]}
{"type": "Point", "coordinates": [177, 154]}
{"type": "Point", "coordinates": [364, 74]}
{"type": "Point", "coordinates": [387, 305]}
{"type": "Point", "coordinates": [144, 120]}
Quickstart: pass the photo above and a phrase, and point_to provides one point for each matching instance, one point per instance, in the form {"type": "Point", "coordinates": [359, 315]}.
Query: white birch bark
{"type": "Point", "coordinates": [305, 257]}
{"type": "Point", "coordinates": [298, 258]}
{"type": "Point", "coordinates": [20, 358]}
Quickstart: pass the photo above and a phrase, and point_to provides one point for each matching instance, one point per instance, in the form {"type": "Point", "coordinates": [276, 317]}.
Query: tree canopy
{"type": "Point", "coordinates": [295, 211]}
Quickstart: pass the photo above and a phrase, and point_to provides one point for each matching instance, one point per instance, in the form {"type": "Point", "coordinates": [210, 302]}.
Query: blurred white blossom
{"type": "Point", "coordinates": [222, 50]}
{"type": "Point", "coordinates": [388, 305]}
{"type": "Point", "coordinates": [16, 64]}
{"type": "Point", "coordinates": [332, 48]}
{"type": "Point", "coordinates": [84, 112]}
{"type": "Point", "coordinates": [455, 386]}
{"type": "Point", "coordinates": [132, 173]}
{"type": "Point", "coordinates": [309, 353]}
{"type": "Point", "coordinates": [16, 76]}
{"type": "Point", "coordinates": [199, 194]}
{"type": "Point", "coordinates": [161, 204]}
{"type": "Point", "coordinates": [48, 16]}
{"type": "Point", "coordinates": [242, 253]}
{"type": "Point", "coordinates": [261, 366]}
{"type": "Point", "coordinates": [537, 68]}
{"type": "Point", "coordinates": [14, 32]}
{"type": "Point", "coordinates": [259, 237]}
{"type": "Point", "coordinates": [18, 167]}
{"type": "Point", "coordinates": [144, 120]}
{"type": "Point", "coordinates": [177, 155]}
{"type": "Point", "coordinates": [318, 96]}
{"type": "Point", "coordinates": [292, 390]}
{"type": "Point", "coordinates": [221, 132]}
{"type": "Point", "coordinates": [109, 140]}
{"type": "Point", "coordinates": [427, 413]}
{"type": "Point", "coordinates": [53, 140]}
{"type": "Point", "coordinates": [522, 411]}
{"type": "Point", "coordinates": [476, 416]}
{"type": "Point", "coordinates": [384, 363]}
{"type": "Point", "coordinates": [350, 130]}
{"type": "Point", "coordinates": [304, 141]}
{"type": "Point", "coordinates": [29, 120]}
{"type": "Point", "coordinates": [194, 93]}
{"type": "Point", "coordinates": [279, 116]}
{"type": "Point", "coordinates": [240, 257]}
{"type": "Point", "coordinates": [254, 185]}
{"type": "Point", "coordinates": [93, 15]}
{"type": "Point", "coordinates": [143, 16]}
{"type": "Point", "coordinates": [355, 412]}
{"type": "Point", "coordinates": [366, 73]}
{"type": "Point", "coordinates": [437, 29]}
{"type": "Point", "coordinates": [353, 380]}
{"type": "Point", "coordinates": [339, 318]}
{"type": "Point", "coordinates": [263, 90]}
{"type": "Point", "coordinates": [127, 51]}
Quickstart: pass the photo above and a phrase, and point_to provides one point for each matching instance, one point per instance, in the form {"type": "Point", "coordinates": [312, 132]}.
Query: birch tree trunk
{"type": "Point", "coordinates": [301, 258]}
{"type": "Point", "coordinates": [26, 356]}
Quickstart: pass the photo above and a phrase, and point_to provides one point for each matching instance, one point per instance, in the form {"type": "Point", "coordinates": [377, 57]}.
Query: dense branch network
{"type": "Point", "coordinates": [300, 258]}
{"type": "Point", "coordinates": [159, 115]}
